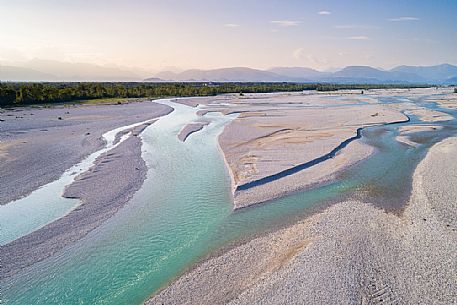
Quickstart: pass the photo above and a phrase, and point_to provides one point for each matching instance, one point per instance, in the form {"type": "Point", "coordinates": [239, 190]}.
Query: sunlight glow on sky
{"type": "Point", "coordinates": [156, 35]}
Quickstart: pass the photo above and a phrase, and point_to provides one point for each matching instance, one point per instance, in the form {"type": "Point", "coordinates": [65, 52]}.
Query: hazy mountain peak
{"type": "Point", "coordinates": [431, 73]}
{"type": "Point", "coordinates": [299, 72]}
{"type": "Point", "coordinates": [11, 73]}
{"type": "Point", "coordinates": [234, 74]}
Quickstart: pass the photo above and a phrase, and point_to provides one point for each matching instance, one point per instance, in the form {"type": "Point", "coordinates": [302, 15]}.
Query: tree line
{"type": "Point", "coordinates": [44, 93]}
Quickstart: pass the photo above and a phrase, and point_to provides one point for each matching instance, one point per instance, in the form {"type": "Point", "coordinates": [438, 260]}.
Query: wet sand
{"type": "Point", "coordinates": [405, 133]}
{"type": "Point", "coordinates": [352, 253]}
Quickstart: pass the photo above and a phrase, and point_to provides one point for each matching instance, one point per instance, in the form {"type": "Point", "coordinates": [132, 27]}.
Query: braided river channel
{"type": "Point", "coordinates": [184, 212]}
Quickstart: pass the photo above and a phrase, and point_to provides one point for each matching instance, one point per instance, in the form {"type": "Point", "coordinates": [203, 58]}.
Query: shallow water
{"type": "Point", "coordinates": [184, 211]}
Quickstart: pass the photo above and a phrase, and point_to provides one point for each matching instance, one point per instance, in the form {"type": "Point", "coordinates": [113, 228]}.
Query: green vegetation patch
{"type": "Point", "coordinates": [17, 94]}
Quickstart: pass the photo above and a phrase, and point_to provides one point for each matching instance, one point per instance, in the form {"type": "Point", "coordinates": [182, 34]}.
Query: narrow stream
{"type": "Point", "coordinates": [46, 204]}
{"type": "Point", "coordinates": [184, 211]}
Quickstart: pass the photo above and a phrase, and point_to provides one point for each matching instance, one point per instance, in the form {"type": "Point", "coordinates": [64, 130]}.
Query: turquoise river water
{"type": "Point", "coordinates": [184, 211]}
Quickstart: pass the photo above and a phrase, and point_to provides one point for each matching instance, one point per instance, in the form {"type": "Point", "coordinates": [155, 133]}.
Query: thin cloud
{"type": "Point", "coordinates": [298, 53]}
{"type": "Point", "coordinates": [232, 25]}
{"type": "Point", "coordinates": [358, 38]}
{"type": "Point", "coordinates": [356, 26]}
{"type": "Point", "coordinates": [301, 55]}
{"type": "Point", "coordinates": [416, 39]}
{"type": "Point", "coordinates": [404, 18]}
{"type": "Point", "coordinates": [324, 13]}
{"type": "Point", "coordinates": [286, 23]}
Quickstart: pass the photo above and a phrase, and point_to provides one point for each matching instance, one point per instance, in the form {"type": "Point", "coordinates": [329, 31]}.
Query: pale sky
{"type": "Point", "coordinates": [156, 35]}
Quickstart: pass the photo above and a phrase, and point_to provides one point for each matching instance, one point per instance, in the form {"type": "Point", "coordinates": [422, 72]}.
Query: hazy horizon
{"type": "Point", "coordinates": [145, 37]}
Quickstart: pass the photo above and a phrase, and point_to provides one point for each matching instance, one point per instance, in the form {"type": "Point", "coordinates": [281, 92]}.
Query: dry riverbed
{"type": "Point", "coordinates": [277, 133]}
{"type": "Point", "coordinates": [38, 144]}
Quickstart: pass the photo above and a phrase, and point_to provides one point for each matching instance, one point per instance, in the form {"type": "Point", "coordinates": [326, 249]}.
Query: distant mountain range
{"type": "Point", "coordinates": [239, 74]}
{"type": "Point", "coordinates": [48, 70]}
{"type": "Point", "coordinates": [440, 74]}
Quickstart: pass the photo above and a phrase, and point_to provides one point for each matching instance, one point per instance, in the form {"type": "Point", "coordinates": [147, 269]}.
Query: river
{"type": "Point", "coordinates": [184, 211]}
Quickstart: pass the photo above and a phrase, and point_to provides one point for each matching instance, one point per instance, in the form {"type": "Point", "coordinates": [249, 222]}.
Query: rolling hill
{"type": "Point", "coordinates": [351, 74]}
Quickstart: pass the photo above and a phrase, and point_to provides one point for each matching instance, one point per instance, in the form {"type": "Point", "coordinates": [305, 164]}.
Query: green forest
{"type": "Point", "coordinates": [17, 94]}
